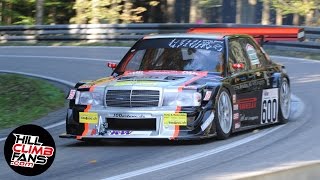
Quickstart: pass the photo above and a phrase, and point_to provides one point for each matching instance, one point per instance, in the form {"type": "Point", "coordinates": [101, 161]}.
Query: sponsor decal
{"type": "Point", "coordinates": [88, 117]}
{"type": "Point", "coordinates": [118, 115]}
{"type": "Point", "coordinates": [102, 80]}
{"type": "Point", "coordinates": [144, 133]}
{"type": "Point", "coordinates": [236, 116]}
{"type": "Point", "coordinates": [95, 83]}
{"type": "Point", "coordinates": [258, 74]}
{"type": "Point", "coordinates": [29, 150]}
{"type": "Point", "coordinates": [237, 125]}
{"type": "Point", "coordinates": [207, 96]}
{"type": "Point", "coordinates": [234, 98]}
{"type": "Point", "coordinates": [235, 107]}
{"type": "Point", "coordinates": [207, 122]}
{"type": "Point", "coordinates": [197, 44]}
{"type": "Point", "coordinates": [247, 103]}
{"type": "Point", "coordinates": [133, 73]}
{"type": "Point", "coordinates": [85, 86]}
{"type": "Point", "coordinates": [175, 119]}
{"type": "Point", "coordinates": [269, 106]}
{"type": "Point", "coordinates": [252, 54]}
{"type": "Point", "coordinates": [248, 118]}
{"type": "Point", "coordinates": [249, 84]}
{"type": "Point", "coordinates": [118, 132]}
{"type": "Point", "coordinates": [197, 73]}
{"type": "Point", "coordinates": [126, 83]}
{"type": "Point", "coordinates": [72, 94]}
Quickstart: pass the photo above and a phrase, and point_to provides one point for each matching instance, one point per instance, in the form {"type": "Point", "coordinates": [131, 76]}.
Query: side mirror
{"type": "Point", "coordinates": [112, 65]}
{"type": "Point", "coordinates": [238, 66]}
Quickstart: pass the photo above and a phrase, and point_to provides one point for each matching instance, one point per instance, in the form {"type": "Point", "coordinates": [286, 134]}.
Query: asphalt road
{"type": "Point", "coordinates": [254, 150]}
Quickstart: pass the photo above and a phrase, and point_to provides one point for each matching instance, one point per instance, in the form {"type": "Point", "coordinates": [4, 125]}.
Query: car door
{"type": "Point", "coordinates": [263, 70]}
{"type": "Point", "coordinates": [244, 82]}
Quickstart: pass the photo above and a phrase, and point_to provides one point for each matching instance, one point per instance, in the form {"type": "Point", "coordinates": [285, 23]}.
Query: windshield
{"type": "Point", "coordinates": [175, 54]}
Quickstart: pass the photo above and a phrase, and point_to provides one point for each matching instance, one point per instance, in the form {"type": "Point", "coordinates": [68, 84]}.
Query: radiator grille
{"type": "Point", "coordinates": [132, 98]}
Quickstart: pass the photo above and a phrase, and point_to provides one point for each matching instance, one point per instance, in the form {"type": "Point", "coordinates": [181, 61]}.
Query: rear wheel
{"type": "Point", "coordinates": [284, 101]}
{"type": "Point", "coordinates": [223, 119]}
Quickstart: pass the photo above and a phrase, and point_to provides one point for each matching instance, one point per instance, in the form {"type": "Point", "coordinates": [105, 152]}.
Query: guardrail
{"type": "Point", "coordinates": [123, 32]}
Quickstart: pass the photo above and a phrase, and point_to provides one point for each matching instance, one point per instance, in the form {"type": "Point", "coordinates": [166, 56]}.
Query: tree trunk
{"type": "Point", "coordinates": [194, 11]}
{"type": "Point", "coordinates": [251, 11]}
{"type": "Point", "coordinates": [39, 12]}
{"type": "Point", "coordinates": [238, 11]}
{"type": "Point", "coordinates": [278, 17]}
{"type": "Point", "coordinates": [265, 20]}
{"type": "Point", "coordinates": [79, 18]}
{"type": "Point", "coordinates": [309, 18]}
{"type": "Point", "coordinates": [94, 12]}
{"type": "Point", "coordinates": [1, 12]}
{"type": "Point", "coordinates": [295, 20]}
{"type": "Point", "coordinates": [171, 11]}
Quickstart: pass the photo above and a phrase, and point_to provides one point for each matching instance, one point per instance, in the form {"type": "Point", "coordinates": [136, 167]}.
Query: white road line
{"type": "Point", "coordinates": [296, 59]}
{"type": "Point", "coordinates": [57, 57]}
{"type": "Point", "coordinates": [62, 47]}
{"type": "Point", "coordinates": [68, 83]}
{"type": "Point", "coordinates": [205, 153]}
{"type": "Point", "coordinates": [46, 127]}
{"type": "Point", "coordinates": [192, 157]}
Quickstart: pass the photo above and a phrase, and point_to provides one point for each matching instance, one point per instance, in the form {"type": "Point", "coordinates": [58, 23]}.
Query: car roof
{"type": "Point", "coordinates": [187, 35]}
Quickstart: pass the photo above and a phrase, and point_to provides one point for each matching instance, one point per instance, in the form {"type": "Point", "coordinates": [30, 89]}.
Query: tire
{"type": "Point", "coordinates": [223, 115]}
{"type": "Point", "coordinates": [284, 101]}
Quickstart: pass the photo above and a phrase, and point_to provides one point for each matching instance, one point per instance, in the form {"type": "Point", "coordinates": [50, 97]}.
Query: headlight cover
{"type": "Point", "coordinates": [185, 98]}
{"type": "Point", "coordinates": [86, 98]}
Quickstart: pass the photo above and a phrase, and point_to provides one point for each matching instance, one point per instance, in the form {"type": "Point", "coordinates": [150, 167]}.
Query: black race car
{"type": "Point", "coordinates": [207, 82]}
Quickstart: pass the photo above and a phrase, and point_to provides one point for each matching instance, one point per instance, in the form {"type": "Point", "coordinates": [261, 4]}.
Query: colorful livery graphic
{"type": "Point", "coordinates": [204, 83]}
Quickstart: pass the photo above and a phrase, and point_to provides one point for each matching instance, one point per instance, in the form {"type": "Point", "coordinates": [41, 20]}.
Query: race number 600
{"type": "Point", "coordinates": [269, 111]}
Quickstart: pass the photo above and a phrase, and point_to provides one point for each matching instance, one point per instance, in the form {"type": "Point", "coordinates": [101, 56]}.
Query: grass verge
{"type": "Point", "coordinates": [24, 99]}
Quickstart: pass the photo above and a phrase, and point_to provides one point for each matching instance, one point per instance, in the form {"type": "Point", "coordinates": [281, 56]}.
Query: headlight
{"type": "Point", "coordinates": [86, 98]}
{"type": "Point", "coordinates": [185, 98]}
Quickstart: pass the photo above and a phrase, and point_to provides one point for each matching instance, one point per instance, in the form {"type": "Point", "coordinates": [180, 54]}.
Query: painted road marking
{"type": "Point", "coordinates": [192, 157]}
{"type": "Point", "coordinates": [68, 83]}
{"type": "Point", "coordinates": [295, 59]}
{"type": "Point", "coordinates": [58, 57]}
{"type": "Point", "coordinates": [62, 47]}
{"type": "Point", "coordinates": [46, 127]}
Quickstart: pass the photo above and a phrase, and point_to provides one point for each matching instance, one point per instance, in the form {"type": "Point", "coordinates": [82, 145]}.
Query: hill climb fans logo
{"type": "Point", "coordinates": [29, 150]}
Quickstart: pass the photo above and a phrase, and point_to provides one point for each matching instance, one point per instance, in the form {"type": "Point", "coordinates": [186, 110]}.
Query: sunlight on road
{"type": "Point", "coordinates": [306, 79]}
{"type": "Point", "coordinates": [292, 170]}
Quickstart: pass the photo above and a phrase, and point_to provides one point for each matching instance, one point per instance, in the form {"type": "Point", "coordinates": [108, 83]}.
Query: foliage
{"type": "Point", "coordinates": [108, 11]}
{"type": "Point", "coordinates": [301, 7]}
{"type": "Point", "coordinates": [210, 3]}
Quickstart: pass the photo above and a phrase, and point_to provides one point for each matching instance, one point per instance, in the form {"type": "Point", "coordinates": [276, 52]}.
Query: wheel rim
{"type": "Point", "coordinates": [285, 99]}
{"type": "Point", "coordinates": [225, 112]}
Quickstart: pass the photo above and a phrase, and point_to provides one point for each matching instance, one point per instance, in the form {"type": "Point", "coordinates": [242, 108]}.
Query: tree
{"type": "Point", "coordinates": [39, 11]}
{"type": "Point", "coordinates": [207, 9]}
{"type": "Point", "coordinates": [265, 20]}
{"type": "Point", "coordinates": [171, 10]}
{"type": "Point", "coordinates": [304, 8]}
{"type": "Point", "coordinates": [108, 11]}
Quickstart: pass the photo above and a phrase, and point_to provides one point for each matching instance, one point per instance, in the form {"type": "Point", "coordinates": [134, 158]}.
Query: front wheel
{"type": "Point", "coordinates": [284, 101]}
{"type": "Point", "coordinates": [223, 119]}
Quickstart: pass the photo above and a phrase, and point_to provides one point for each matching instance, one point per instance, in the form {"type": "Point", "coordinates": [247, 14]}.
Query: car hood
{"type": "Point", "coordinates": [164, 79]}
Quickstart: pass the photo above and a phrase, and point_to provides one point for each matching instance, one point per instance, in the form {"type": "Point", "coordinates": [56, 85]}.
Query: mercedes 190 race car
{"type": "Point", "coordinates": [203, 83]}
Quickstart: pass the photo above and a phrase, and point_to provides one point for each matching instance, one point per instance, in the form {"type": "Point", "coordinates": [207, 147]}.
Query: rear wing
{"type": "Point", "coordinates": [261, 34]}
